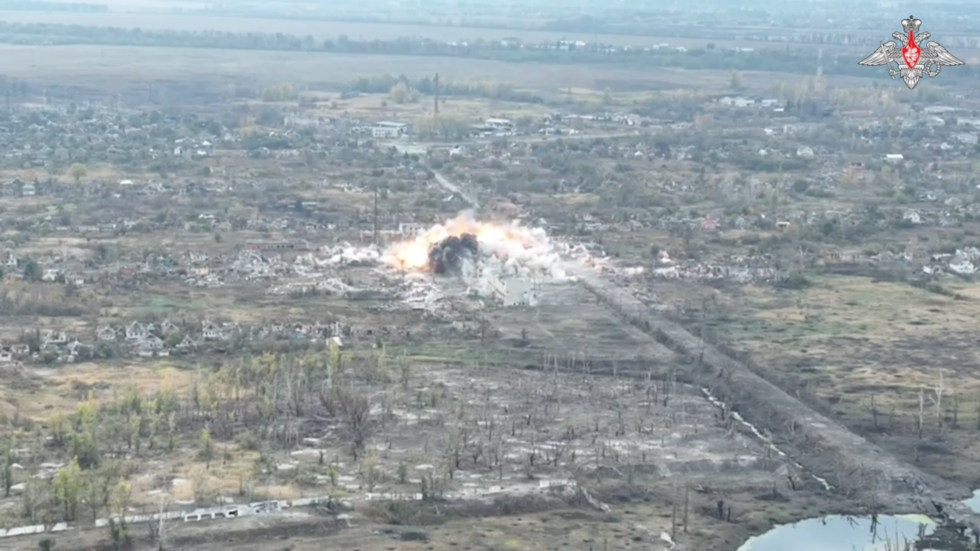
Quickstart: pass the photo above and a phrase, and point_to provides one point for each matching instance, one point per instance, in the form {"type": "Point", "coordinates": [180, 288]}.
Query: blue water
{"type": "Point", "coordinates": [840, 533]}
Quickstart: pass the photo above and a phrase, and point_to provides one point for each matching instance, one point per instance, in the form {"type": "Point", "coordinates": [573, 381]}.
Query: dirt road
{"type": "Point", "coordinates": [821, 445]}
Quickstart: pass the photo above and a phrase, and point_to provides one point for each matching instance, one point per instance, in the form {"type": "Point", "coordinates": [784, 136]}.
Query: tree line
{"type": "Point", "coordinates": [707, 58]}
{"type": "Point", "coordinates": [32, 5]}
{"type": "Point", "coordinates": [247, 401]}
{"type": "Point", "coordinates": [426, 85]}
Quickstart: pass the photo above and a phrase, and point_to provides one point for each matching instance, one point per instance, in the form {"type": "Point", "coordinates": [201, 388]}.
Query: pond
{"type": "Point", "coordinates": [843, 533]}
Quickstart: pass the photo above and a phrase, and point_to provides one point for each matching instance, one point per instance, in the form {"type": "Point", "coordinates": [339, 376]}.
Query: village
{"type": "Point", "coordinates": [63, 230]}
{"type": "Point", "coordinates": [219, 311]}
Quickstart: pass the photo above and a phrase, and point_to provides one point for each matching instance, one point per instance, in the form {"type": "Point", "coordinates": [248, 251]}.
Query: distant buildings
{"type": "Point", "coordinates": [388, 130]}
{"type": "Point", "coordinates": [490, 126]}
{"type": "Point", "coordinates": [514, 291]}
{"type": "Point", "coordinates": [499, 124]}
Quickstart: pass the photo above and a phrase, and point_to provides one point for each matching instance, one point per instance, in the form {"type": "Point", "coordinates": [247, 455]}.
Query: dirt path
{"type": "Point", "coordinates": [853, 465]}
{"type": "Point", "coordinates": [823, 446]}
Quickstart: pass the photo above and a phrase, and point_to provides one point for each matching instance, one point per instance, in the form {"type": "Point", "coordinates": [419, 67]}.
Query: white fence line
{"type": "Point", "coordinates": [266, 507]}
{"type": "Point", "coordinates": [209, 513]}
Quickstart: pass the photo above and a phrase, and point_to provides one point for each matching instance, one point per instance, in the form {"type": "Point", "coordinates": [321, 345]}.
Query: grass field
{"type": "Point", "coordinates": [332, 29]}
{"type": "Point", "coordinates": [846, 340]}
{"type": "Point", "coordinates": [842, 325]}
{"type": "Point", "coordinates": [380, 106]}
{"type": "Point", "coordinates": [377, 31]}
{"type": "Point", "coordinates": [128, 69]}
{"type": "Point", "coordinates": [356, 31]}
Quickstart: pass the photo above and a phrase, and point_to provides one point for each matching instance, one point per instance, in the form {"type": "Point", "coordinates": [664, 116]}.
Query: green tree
{"type": "Point", "coordinates": [155, 422]}
{"type": "Point", "coordinates": [84, 443]}
{"type": "Point", "coordinates": [334, 365]}
{"type": "Point", "coordinates": [607, 96]}
{"type": "Point", "coordinates": [207, 446]}
{"type": "Point", "coordinates": [67, 486]}
{"type": "Point", "coordinates": [401, 93]}
{"type": "Point", "coordinates": [77, 172]}
{"type": "Point", "coordinates": [32, 270]}
{"type": "Point", "coordinates": [134, 432]}
{"type": "Point", "coordinates": [443, 128]}
{"type": "Point", "coordinates": [279, 93]}
{"type": "Point", "coordinates": [9, 457]}
{"type": "Point", "coordinates": [173, 339]}
{"type": "Point", "coordinates": [171, 430]}
{"type": "Point", "coordinates": [122, 494]}
{"type": "Point", "coordinates": [96, 488]}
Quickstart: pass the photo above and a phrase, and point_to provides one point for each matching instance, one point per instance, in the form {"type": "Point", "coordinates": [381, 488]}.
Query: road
{"type": "Point", "coordinates": [416, 148]}
{"type": "Point", "coordinates": [821, 445]}
{"type": "Point", "coordinates": [470, 200]}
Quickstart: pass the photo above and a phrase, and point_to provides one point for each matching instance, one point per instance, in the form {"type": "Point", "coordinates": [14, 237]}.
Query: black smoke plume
{"type": "Point", "coordinates": [449, 255]}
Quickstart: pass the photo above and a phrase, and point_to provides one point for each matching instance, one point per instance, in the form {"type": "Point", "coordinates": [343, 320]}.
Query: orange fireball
{"type": "Point", "coordinates": [413, 255]}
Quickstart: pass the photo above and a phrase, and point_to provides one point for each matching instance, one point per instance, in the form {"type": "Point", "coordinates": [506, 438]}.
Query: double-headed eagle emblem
{"type": "Point", "coordinates": [912, 60]}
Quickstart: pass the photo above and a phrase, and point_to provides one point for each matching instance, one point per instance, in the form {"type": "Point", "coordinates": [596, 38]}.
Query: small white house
{"type": "Point", "coordinates": [499, 124]}
{"type": "Point", "coordinates": [211, 331]}
{"type": "Point", "coordinates": [136, 331]}
{"type": "Point", "coordinates": [389, 130]}
{"type": "Point", "coordinates": [519, 292]}
{"type": "Point", "coordinates": [961, 265]}
{"type": "Point", "coordinates": [410, 228]}
{"type": "Point", "coordinates": [10, 259]}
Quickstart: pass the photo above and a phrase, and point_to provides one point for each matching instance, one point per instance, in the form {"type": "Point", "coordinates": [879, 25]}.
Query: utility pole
{"type": "Point", "coordinates": [436, 84]}
{"type": "Point", "coordinates": [375, 215]}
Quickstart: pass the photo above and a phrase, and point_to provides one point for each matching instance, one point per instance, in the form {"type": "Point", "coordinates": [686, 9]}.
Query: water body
{"type": "Point", "coordinates": [843, 533]}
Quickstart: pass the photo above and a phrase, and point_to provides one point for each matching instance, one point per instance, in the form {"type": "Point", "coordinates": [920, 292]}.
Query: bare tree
{"type": "Point", "coordinates": [937, 399]}
{"type": "Point", "coordinates": [920, 418]}
{"type": "Point", "coordinates": [161, 533]}
{"type": "Point", "coordinates": [355, 410]}
{"type": "Point", "coordinates": [874, 412]}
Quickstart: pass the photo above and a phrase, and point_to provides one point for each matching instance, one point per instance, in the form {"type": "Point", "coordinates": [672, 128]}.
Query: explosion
{"type": "Point", "coordinates": [516, 248]}
{"type": "Point", "coordinates": [451, 254]}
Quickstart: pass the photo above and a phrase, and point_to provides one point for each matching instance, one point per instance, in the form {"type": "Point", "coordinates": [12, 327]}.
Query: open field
{"type": "Point", "coordinates": [136, 64]}
{"type": "Point", "coordinates": [130, 68]}
{"type": "Point", "coordinates": [864, 349]}
{"type": "Point", "coordinates": [379, 106]}
{"type": "Point", "coordinates": [322, 30]}
{"type": "Point", "coordinates": [176, 71]}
